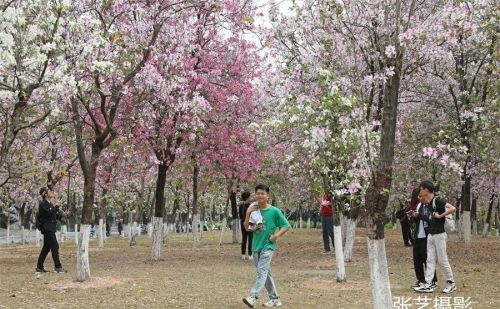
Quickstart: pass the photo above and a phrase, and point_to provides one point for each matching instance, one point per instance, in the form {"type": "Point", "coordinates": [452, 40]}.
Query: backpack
{"type": "Point", "coordinates": [449, 222]}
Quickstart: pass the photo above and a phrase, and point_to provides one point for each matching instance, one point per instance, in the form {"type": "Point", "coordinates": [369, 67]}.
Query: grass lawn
{"type": "Point", "coordinates": [216, 277]}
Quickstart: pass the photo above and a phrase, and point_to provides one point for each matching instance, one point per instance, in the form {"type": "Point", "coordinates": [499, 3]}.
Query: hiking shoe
{"type": "Point", "coordinates": [450, 287]}
{"type": "Point", "coordinates": [273, 303]}
{"type": "Point", "coordinates": [61, 270]}
{"type": "Point", "coordinates": [434, 285]}
{"type": "Point", "coordinates": [250, 301]}
{"type": "Point", "coordinates": [40, 271]}
{"type": "Point", "coordinates": [426, 288]}
{"type": "Point", "coordinates": [250, 258]}
{"type": "Point", "coordinates": [243, 257]}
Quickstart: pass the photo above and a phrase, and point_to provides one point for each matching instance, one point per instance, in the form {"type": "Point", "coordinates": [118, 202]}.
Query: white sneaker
{"type": "Point", "coordinates": [450, 287]}
{"type": "Point", "coordinates": [243, 257]}
{"type": "Point", "coordinates": [273, 303]}
{"type": "Point", "coordinates": [425, 288]}
{"type": "Point", "coordinates": [250, 301]}
{"type": "Point", "coordinates": [250, 258]}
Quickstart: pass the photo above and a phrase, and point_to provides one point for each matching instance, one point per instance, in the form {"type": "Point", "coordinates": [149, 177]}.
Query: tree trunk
{"type": "Point", "coordinates": [76, 235]}
{"type": "Point", "coordinates": [458, 222]}
{"type": "Point", "coordinates": [497, 219]}
{"type": "Point", "coordinates": [339, 250]}
{"type": "Point", "coordinates": [234, 215]}
{"type": "Point", "coordinates": [82, 256]}
{"type": "Point", "coordinates": [37, 238]}
{"type": "Point", "coordinates": [224, 223]}
{"type": "Point", "coordinates": [82, 265]}
{"type": "Point", "coordinates": [377, 195]}
{"type": "Point", "coordinates": [343, 225]}
{"type": "Point", "coordinates": [159, 211]}
{"type": "Point", "coordinates": [486, 228]}
{"type": "Point", "coordinates": [466, 215]}
{"type": "Point", "coordinates": [350, 238]}
{"type": "Point", "coordinates": [196, 215]}
{"type": "Point", "coordinates": [473, 215]}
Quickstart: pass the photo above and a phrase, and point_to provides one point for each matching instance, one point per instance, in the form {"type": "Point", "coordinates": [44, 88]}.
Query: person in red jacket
{"type": "Point", "coordinates": [326, 214]}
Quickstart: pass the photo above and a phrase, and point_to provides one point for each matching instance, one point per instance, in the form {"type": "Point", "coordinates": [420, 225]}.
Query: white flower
{"type": "Point", "coordinates": [390, 71]}
{"type": "Point", "coordinates": [390, 51]}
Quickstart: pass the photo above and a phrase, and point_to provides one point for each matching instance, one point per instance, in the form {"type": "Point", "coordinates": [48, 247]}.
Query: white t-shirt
{"type": "Point", "coordinates": [421, 231]}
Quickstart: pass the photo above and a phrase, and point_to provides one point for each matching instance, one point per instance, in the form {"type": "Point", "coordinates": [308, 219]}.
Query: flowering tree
{"type": "Point", "coordinates": [103, 68]}
{"type": "Point", "coordinates": [32, 70]}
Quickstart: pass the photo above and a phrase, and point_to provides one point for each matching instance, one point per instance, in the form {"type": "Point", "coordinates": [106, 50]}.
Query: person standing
{"type": "Point", "coordinates": [264, 245]}
{"type": "Point", "coordinates": [246, 237]}
{"type": "Point", "coordinates": [438, 209]}
{"type": "Point", "coordinates": [326, 214]}
{"type": "Point", "coordinates": [421, 229]}
{"type": "Point", "coordinates": [46, 222]}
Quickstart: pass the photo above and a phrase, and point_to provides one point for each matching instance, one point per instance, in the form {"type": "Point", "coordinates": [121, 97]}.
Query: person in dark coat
{"type": "Point", "coordinates": [46, 222]}
{"type": "Point", "coordinates": [246, 236]}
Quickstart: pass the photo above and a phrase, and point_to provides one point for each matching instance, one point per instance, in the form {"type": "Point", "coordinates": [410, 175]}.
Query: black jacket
{"type": "Point", "coordinates": [243, 210]}
{"type": "Point", "coordinates": [47, 217]}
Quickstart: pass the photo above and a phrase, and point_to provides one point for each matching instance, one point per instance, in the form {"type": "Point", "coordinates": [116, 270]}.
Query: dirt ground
{"type": "Point", "coordinates": [216, 277]}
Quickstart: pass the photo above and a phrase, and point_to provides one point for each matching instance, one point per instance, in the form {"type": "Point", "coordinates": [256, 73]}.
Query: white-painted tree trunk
{"type": "Point", "coordinates": [350, 239]}
{"type": "Point", "coordinates": [309, 223]}
{"type": "Point", "coordinates": [222, 228]}
{"type": "Point", "coordinates": [466, 226]}
{"type": "Point", "coordinates": [343, 225]}
{"type": "Point", "coordinates": [37, 238]}
{"type": "Point", "coordinates": [150, 230]}
{"type": "Point", "coordinates": [157, 238]}
{"type": "Point", "coordinates": [100, 233]}
{"type": "Point", "coordinates": [474, 227]}
{"type": "Point", "coordinates": [76, 235]}
{"type": "Point", "coordinates": [396, 225]}
{"type": "Point", "coordinates": [23, 236]}
{"type": "Point", "coordinates": [460, 230]}
{"type": "Point", "coordinates": [82, 254]}
{"type": "Point", "coordinates": [379, 274]}
{"type": "Point", "coordinates": [126, 231]}
{"type": "Point", "coordinates": [135, 229]}
{"type": "Point", "coordinates": [300, 222]}
{"type": "Point", "coordinates": [165, 232]}
{"type": "Point", "coordinates": [235, 228]}
{"type": "Point", "coordinates": [64, 233]}
{"type": "Point", "coordinates": [30, 232]}
{"type": "Point", "coordinates": [196, 230]}
{"type": "Point", "coordinates": [339, 253]}
{"type": "Point", "coordinates": [8, 231]}
{"type": "Point", "coordinates": [486, 229]}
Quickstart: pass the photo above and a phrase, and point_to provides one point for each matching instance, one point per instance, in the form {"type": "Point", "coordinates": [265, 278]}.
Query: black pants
{"type": "Point", "coordinates": [49, 244]}
{"type": "Point", "coordinates": [420, 259]}
{"type": "Point", "coordinates": [327, 227]}
{"type": "Point", "coordinates": [246, 237]}
{"type": "Point", "coordinates": [405, 228]}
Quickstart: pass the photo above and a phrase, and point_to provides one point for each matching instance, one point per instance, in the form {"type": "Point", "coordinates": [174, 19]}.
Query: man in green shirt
{"type": "Point", "coordinates": [264, 243]}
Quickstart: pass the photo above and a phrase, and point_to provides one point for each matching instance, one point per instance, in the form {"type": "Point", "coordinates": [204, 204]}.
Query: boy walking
{"type": "Point", "coordinates": [264, 244]}
{"type": "Point", "coordinates": [436, 241]}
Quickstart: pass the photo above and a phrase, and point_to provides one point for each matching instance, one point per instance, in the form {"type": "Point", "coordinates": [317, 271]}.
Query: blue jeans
{"type": "Point", "coordinates": [262, 261]}
{"type": "Point", "coordinates": [327, 226]}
